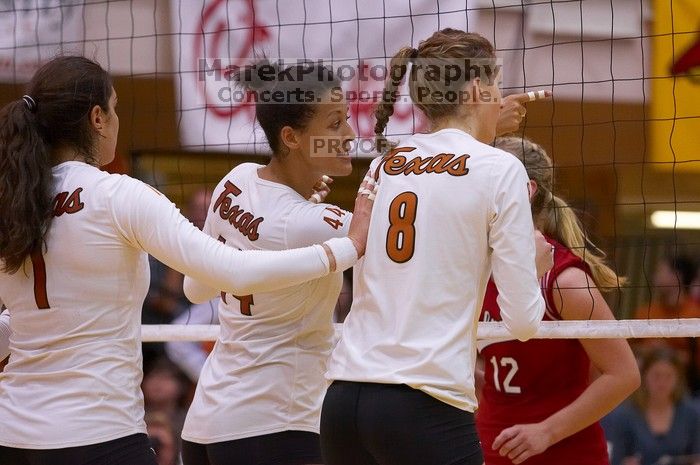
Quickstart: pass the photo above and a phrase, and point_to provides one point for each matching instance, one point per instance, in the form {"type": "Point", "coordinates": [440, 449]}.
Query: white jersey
{"type": "Point", "coordinates": [266, 372]}
{"type": "Point", "coordinates": [74, 372]}
{"type": "Point", "coordinates": [449, 208]}
{"type": "Point", "coordinates": [4, 334]}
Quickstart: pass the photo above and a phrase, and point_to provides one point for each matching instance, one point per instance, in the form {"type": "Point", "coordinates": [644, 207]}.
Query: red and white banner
{"type": "Point", "coordinates": [32, 31]}
{"type": "Point", "coordinates": [362, 33]}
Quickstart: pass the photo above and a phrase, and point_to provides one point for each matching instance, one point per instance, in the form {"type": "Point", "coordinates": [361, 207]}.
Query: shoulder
{"type": "Point", "coordinates": [304, 214]}
{"type": "Point", "coordinates": [308, 223]}
{"type": "Point", "coordinates": [566, 260]}
{"type": "Point", "coordinates": [239, 172]}
{"type": "Point", "coordinates": [117, 183]}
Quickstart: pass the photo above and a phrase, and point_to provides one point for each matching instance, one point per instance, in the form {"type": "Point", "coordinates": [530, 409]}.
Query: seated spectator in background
{"type": "Point", "coordinates": [671, 298]}
{"type": "Point", "coordinates": [163, 438]}
{"type": "Point", "coordinates": [694, 291]}
{"type": "Point", "coordinates": [166, 300]}
{"type": "Point", "coordinates": [165, 391]}
{"type": "Point", "coordinates": [190, 356]}
{"type": "Point", "coordinates": [657, 426]}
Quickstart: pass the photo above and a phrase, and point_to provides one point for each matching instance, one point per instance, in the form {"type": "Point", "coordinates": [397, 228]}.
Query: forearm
{"type": "Point", "coordinates": [156, 226]}
{"type": "Point", "coordinates": [599, 399]}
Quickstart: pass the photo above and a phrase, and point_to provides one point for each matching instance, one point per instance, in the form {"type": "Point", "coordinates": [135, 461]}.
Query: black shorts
{"type": "Point", "coordinates": [129, 450]}
{"type": "Point", "coordinates": [394, 424]}
{"type": "Point", "coordinates": [284, 448]}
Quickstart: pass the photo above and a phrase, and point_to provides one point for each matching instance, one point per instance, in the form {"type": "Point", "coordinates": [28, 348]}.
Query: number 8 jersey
{"type": "Point", "coordinates": [449, 210]}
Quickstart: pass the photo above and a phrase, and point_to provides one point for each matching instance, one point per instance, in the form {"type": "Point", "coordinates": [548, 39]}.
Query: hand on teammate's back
{"type": "Point", "coordinates": [544, 254]}
{"type": "Point", "coordinates": [359, 226]}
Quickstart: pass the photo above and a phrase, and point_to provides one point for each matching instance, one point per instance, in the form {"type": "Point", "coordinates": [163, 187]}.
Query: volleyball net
{"type": "Point", "coordinates": [621, 127]}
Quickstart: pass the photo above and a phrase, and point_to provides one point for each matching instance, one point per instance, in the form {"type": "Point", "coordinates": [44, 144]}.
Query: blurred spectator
{"type": "Point", "coordinates": [658, 426]}
{"type": "Point", "coordinates": [165, 299]}
{"type": "Point", "coordinates": [694, 291]}
{"type": "Point", "coordinates": [190, 356]}
{"type": "Point", "coordinates": [165, 390]}
{"type": "Point", "coordinates": [163, 438]}
{"type": "Point", "coordinates": [670, 298]}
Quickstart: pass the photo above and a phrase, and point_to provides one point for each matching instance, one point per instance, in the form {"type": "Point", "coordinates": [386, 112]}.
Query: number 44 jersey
{"type": "Point", "coordinates": [265, 373]}
{"type": "Point", "coordinates": [448, 211]}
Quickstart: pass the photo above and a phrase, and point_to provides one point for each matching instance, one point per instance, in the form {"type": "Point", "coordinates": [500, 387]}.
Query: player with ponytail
{"type": "Point", "coordinates": [74, 272]}
{"type": "Point", "coordinates": [450, 209]}
{"type": "Point", "coordinates": [538, 405]}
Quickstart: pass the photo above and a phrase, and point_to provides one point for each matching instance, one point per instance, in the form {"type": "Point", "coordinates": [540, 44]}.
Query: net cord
{"type": "Point", "coordinates": [594, 329]}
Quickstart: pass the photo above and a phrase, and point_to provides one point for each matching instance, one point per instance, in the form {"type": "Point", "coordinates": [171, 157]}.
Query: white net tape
{"type": "Point", "coordinates": [594, 329]}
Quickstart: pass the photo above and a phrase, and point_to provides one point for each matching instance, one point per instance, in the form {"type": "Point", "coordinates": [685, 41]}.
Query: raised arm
{"type": "Point", "coordinates": [148, 220]}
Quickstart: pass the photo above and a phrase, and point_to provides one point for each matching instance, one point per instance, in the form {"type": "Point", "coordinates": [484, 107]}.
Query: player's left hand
{"type": "Point", "coordinates": [321, 189]}
{"type": "Point", "coordinates": [513, 110]}
{"type": "Point", "coordinates": [520, 442]}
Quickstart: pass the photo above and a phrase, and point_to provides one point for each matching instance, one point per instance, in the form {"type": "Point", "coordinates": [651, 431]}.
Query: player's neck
{"type": "Point", "coordinates": [62, 155]}
{"type": "Point", "coordinates": [290, 174]}
{"type": "Point", "coordinates": [469, 124]}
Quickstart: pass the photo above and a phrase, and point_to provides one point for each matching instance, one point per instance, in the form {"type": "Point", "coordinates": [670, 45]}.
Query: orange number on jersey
{"type": "Point", "coordinates": [401, 237]}
{"type": "Point", "coordinates": [245, 300]}
{"type": "Point", "coordinates": [335, 224]}
{"type": "Point", "coordinates": [39, 267]}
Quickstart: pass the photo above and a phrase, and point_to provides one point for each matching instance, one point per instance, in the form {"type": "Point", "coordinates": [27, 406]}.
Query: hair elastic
{"type": "Point", "coordinates": [30, 102]}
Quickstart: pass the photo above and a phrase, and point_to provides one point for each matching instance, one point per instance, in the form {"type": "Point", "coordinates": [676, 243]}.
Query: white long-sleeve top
{"type": "Point", "coordinates": [190, 356]}
{"type": "Point", "coordinates": [266, 372]}
{"type": "Point", "coordinates": [75, 366]}
{"type": "Point", "coordinates": [450, 210]}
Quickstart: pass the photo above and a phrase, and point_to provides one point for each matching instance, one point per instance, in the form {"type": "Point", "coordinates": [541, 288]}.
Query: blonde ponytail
{"type": "Point", "coordinates": [554, 216]}
{"type": "Point", "coordinates": [558, 220]}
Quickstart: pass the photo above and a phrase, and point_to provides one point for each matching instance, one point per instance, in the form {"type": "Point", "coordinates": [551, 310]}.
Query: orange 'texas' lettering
{"type": "Point", "coordinates": [394, 163]}
{"type": "Point", "coordinates": [65, 203]}
{"type": "Point", "coordinates": [243, 221]}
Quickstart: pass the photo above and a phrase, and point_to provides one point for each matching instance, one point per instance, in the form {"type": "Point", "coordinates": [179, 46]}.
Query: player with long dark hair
{"type": "Point", "coordinates": [74, 272]}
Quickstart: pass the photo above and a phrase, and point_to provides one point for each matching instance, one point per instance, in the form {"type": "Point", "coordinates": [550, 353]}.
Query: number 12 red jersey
{"type": "Point", "coordinates": [526, 382]}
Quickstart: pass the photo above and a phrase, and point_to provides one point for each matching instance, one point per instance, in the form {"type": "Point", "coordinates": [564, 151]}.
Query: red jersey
{"type": "Point", "coordinates": [527, 382]}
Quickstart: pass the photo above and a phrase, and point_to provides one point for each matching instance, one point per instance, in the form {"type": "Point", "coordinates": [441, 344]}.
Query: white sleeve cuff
{"type": "Point", "coordinates": [344, 252]}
